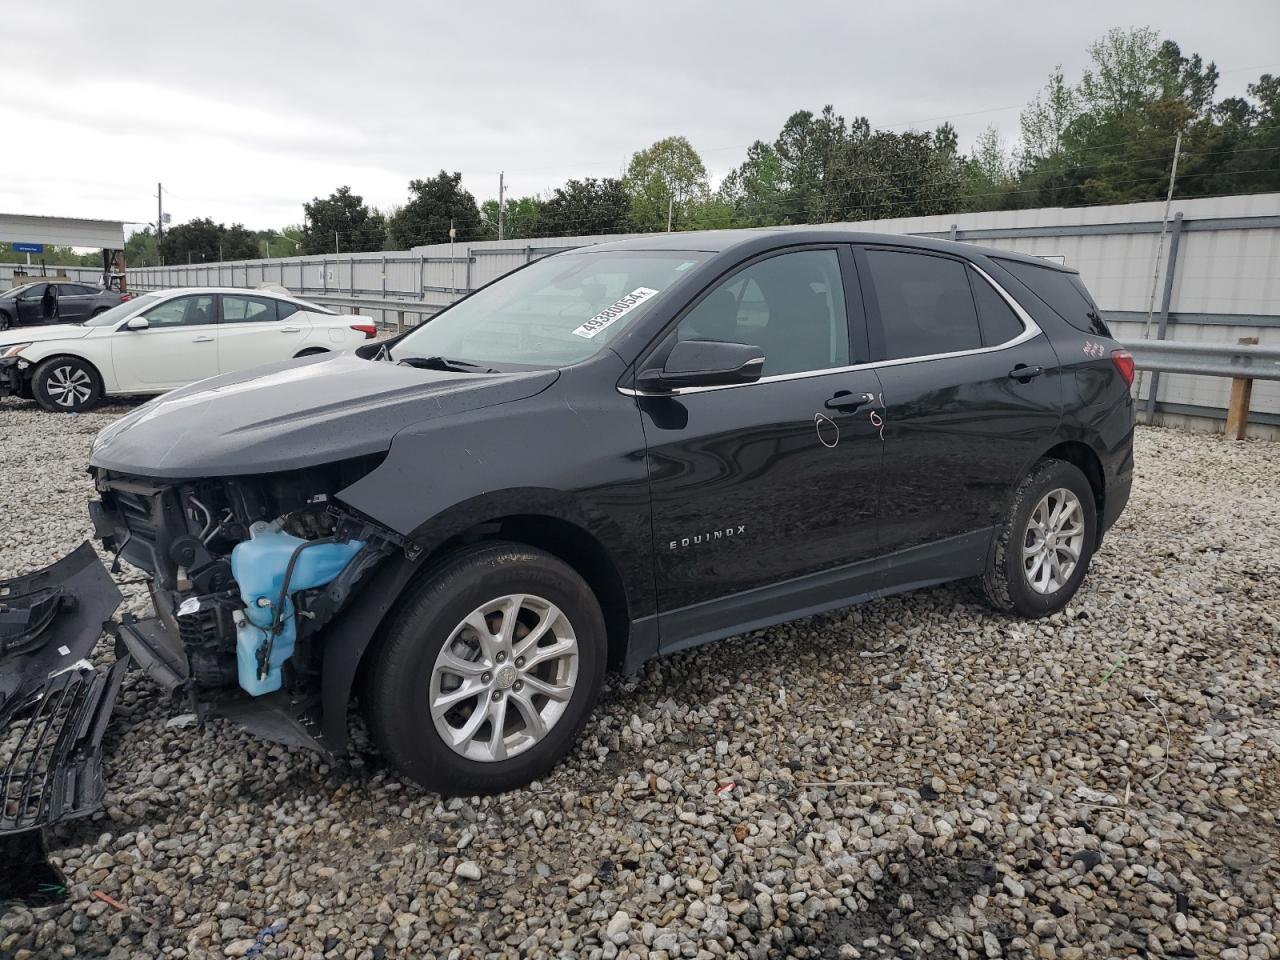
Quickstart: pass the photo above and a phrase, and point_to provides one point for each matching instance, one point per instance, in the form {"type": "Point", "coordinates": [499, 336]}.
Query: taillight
{"type": "Point", "coordinates": [1123, 360]}
{"type": "Point", "coordinates": [126, 297]}
{"type": "Point", "coordinates": [368, 329]}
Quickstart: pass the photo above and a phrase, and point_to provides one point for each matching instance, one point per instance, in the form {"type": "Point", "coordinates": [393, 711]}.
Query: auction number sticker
{"type": "Point", "coordinates": [614, 312]}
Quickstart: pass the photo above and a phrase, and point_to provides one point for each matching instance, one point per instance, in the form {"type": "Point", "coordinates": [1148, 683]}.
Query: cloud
{"type": "Point", "coordinates": [246, 110]}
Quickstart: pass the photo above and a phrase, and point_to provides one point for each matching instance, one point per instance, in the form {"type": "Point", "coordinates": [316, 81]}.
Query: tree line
{"type": "Point", "coordinates": [1106, 137]}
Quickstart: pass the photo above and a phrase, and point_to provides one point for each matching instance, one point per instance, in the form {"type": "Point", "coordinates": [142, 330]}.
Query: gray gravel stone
{"type": "Point", "coordinates": [974, 786]}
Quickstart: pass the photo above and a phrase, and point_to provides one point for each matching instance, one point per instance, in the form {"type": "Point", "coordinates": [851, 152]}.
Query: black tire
{"type": "Point", "coordinates": [49, 376]}
{"type": "Point", "coordinates": [310, 352]}
{"type": "Point", "coordinates": [1006, 582]}
{"type": "Point", "coordinates": [98, 312]}
{"type": "Point", "coordinates": [397, 693]}
{"type": "Point", "coordinates": [6, 321]}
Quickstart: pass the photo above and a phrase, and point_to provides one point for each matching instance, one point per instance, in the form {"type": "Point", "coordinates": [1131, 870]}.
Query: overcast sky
{"type": "Point", "coordinates": [245, 110]}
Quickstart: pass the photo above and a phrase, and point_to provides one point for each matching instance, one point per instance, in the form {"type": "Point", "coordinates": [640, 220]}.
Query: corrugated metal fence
{"type": "Point", "coordinates": [1218, 280]}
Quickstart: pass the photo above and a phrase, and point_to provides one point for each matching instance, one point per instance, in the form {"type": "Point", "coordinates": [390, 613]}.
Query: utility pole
{"type": "Point", "coordinates": [1155, 273]}
{"type": "Point", "coordinates": [500, 198]}
{"type": "Point", "coordinates": [453, 276]}
{"type": "Point", "coordinates": [671, 200]}
{"type": "Point", "coordinates": [335, 242]}
{"type": "Point", "coordinates": [160, 218]}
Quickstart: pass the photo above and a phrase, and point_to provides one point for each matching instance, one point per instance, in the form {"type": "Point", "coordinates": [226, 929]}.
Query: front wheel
{"type": "Point", "coordinates": [66, 385]}
{"type": "Point", "coordinates": [6, 321]}
{"type": "Point", "coordinates": [1042, 552]}
{"type": "Point", "coordinates": [486, 675]}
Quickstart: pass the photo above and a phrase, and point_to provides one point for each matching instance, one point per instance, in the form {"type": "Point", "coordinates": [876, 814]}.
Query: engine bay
{"type": "Point", "coordinates": [244, 572]}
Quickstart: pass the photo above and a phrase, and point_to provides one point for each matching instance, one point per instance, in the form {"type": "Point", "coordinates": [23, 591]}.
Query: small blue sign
{"type": "Point", "coordinates": [28, 248]}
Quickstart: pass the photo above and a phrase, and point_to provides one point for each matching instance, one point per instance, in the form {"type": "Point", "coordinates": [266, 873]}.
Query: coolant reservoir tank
{"type": "Point", "coordinates": [258, 566]}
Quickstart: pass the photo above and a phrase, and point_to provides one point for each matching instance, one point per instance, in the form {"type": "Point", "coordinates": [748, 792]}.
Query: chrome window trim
{"type": "Point", "coordinates": [1030, 330]}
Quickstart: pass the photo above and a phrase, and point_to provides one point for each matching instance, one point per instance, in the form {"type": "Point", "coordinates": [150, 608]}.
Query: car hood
{"type": "Point", "coordinates": [38, 334]}
{"type": "Point", "coordinates": [294, 414]}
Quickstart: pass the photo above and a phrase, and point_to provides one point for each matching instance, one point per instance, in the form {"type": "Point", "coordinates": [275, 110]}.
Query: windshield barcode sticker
{"type": "Point", "coordinates": [615, 312]}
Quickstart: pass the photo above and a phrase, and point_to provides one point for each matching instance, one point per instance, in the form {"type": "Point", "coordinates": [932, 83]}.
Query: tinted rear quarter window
{"type": "Point", "coordinates": [925, 304]}
{"type": "Point", "coordinates": [1062, 292]}
{"type": "Point", "coordinates": [999, 323]}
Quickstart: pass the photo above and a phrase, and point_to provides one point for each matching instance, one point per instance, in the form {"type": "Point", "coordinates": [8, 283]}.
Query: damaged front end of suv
{"type": "Point", "coordinates": [245, 573]}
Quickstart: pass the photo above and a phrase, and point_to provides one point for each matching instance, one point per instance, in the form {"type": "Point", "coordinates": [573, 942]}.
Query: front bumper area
{"type": "Point", "coordinates": [54, 705]}
{"type": "Point", "coordinates": [10, 377]}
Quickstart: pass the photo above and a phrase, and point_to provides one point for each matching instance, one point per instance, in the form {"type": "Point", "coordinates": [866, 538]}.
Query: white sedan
{"type": "Point", "coordinates": [159, 341]}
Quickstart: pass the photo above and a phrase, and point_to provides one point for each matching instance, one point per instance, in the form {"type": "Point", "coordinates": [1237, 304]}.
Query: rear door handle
{"type": "Point", "coordinates": [290, 329]}
{"type": "Point", "coordinates": [1024, 374]}
{"type": "Point", "coordinates": [845, 400]}
{"type": "Point", "coordinates": [202, 340]}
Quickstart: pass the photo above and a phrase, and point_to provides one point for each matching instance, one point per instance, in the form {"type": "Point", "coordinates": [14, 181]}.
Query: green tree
{"type": "Point", "coordinates": [141, 249]}
{"type": "Point", "coordinates": [203, 241]}
{"type": "Point", "coordinates": [872, 176]}
{"type": "Point", "coordinates": [665, 183]}
{"type": "Point", "coordinates": [585, 208]}
{"type": "Point", "coordinates": [520, 219]}
{"type": "Point", "coordinates": [342, 221]}
{"type": "Point", "coordinates": [755, 191]}
{"type": "Point", "coordinates": [1110, 137]}
{"type": "Point", "coordinates": [805, 148]}
{"type": "Point", "coordinates": [987, 173]}
{"type": "Point", "coordinates": [433, 205]}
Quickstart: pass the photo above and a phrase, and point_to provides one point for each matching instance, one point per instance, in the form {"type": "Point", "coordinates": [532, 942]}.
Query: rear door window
{"type": "Point", "coordinates": [241, 309]}
{"type": "Point", "coordinates": [926, 306]}
{"type": "Point", "coordinates": [1062, 292]}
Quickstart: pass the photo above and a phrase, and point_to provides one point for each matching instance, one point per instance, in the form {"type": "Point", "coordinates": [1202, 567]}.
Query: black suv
{"type": "Point", "coordinates": [610, 454]}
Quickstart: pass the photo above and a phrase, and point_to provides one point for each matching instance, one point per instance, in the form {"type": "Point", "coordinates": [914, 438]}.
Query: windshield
{"type": "Point", "coordinates": [555, 312]}
{"type": "Point", "coordinates": [122, 310]}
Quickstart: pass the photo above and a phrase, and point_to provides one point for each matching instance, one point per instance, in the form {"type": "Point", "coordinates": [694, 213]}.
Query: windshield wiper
{"type": "Point", "coordinates": [445, 363]}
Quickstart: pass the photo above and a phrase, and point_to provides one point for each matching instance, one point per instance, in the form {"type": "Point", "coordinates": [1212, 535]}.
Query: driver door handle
{"type": "Point", "coordinates": [202, 340]}
{"type": "Point", "coordinates": [1025, 374]}
{"type": "Point", "coordinates": [844, 400]}
{"type": "Point", "coordinates": [290, 329]}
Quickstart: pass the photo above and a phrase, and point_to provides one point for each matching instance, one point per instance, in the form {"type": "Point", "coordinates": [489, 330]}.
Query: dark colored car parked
{"type": "Point", "coordinates": [55, 301]}
{"type": "Point", "coordinates": [610, 454]}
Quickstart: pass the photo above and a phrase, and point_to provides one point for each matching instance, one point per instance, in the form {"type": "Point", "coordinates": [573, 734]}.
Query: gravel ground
{"type": "Point", "coordinates": [912, 777]}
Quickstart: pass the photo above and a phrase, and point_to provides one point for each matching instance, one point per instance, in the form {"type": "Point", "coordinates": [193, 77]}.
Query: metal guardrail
{"type": "Point", "coordinates": [1207, 359]}
{"type": "Point", "coordinates": [1243, 362]}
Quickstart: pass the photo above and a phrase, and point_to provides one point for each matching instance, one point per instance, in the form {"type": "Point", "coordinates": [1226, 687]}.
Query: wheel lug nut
{"type": "Point", "coordinates": [501, 657]}
{"type": "Point", "coordinates": [486, 677]}
{"type": "Point", "coordinates": [517, 685]}
{"type": "Point", "coordinates": [497, 694]}
{"type": "Point", "coordinates": [519, 661]}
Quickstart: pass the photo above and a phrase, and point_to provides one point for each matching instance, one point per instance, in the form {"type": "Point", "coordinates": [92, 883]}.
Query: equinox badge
{"type": "Point", "coordinates": [699, 538]}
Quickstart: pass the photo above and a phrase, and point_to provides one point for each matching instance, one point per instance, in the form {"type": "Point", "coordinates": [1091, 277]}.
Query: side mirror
{"type": "Point", "coordinates": [704, 363]}
{"type": "Point", "coordinates": [136, 323]}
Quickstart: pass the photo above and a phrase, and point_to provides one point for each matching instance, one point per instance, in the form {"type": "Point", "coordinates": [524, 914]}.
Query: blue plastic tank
{"type": "Point", "coordinates": [258, 566]}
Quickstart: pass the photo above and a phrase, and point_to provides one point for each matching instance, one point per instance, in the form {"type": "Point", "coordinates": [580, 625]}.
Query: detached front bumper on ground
{"type": "Point", "coordinates": [54, 704]}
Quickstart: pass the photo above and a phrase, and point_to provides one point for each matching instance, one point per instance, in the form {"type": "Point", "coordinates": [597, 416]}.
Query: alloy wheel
{"type": "Point", "coordinates": [68, 386]}
{"type": "Point", "coordinates": [1053, 540]}
{"type": "Point", "coordinates": [504, 677]}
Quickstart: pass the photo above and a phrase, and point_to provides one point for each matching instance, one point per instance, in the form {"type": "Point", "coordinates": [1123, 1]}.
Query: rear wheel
{"type": "Point", "coordinates": [99, 311]}
{"type": "Point", "coordinates": [66, 385]}
{"type": "Point", "coordinates": [486, 675]}
{"type": "Point", "coordinates": [6, 321]}
{"type": "Point", "coordinates": [310, 352]}
{"type": "Point", "coordinates": [1040, 557]}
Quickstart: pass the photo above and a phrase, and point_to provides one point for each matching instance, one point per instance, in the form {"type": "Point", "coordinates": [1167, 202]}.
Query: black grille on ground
{"type": "Point", "coordinates": [49, 762]}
